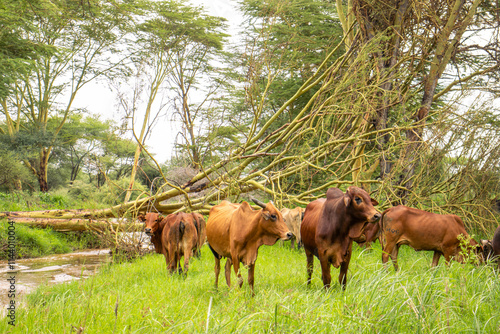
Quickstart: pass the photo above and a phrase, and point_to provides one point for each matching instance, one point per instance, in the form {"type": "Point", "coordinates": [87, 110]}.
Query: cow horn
{"type": "Point", "coordinates": [259, 203]}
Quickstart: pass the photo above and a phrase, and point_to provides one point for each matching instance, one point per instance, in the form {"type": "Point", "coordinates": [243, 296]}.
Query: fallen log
{"type": "Point", "coordinates": [66, 225]}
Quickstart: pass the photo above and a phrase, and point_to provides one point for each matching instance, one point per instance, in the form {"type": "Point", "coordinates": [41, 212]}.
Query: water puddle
{"type": "Point", "coordinates": [53, 269]}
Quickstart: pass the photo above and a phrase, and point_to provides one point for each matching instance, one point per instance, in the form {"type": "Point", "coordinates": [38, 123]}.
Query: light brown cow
{"type": "Point", "coordinates": [236, 231]}
{"type": "Point", "coordinates": [422, 230]}
{"type": "Point", "coordinates": [329, 227]}
{"type": "Point", "coordinates": [293, 219]}
{"type": "Point", "coordinates": [175, 236]}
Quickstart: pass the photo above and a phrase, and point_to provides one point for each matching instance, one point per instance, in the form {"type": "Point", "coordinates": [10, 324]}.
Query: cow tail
{"type": "Point", "coordinates": [182, 227]}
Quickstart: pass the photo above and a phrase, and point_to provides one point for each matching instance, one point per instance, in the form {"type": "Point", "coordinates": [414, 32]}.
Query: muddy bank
{"type": "Point", "coordinates": [53, 269]}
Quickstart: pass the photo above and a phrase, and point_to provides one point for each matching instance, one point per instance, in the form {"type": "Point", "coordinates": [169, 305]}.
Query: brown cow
{"type": "Point", "coordinates": [201, 230]}
{"type": "Point", "coordinates": [422, 230]}
{"type": "Point", "coordinates": [236, 231]}
{"type": "Point", "coordinates": [329, 227]}
{"type": "Point", "coordinates": [181, 239]}
{"type": "Point", "coordinates": [175, 236]}
{"type": "Point", "coordinates": [154, 224]}
{"type": "Point", "coordinates": [491, 248]}
{"type": "Point", "coordinates": [293, 219]}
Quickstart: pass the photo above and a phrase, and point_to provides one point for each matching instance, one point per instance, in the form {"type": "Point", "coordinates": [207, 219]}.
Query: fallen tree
{"type": "Point", "coordinates": [66, 225]}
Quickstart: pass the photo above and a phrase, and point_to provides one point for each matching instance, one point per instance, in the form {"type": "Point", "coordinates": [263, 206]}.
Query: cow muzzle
{"type": "Point", "coordinates": [289, 236]}
{"type": "Point", "coordinates": [376, 217]}
{"type": "Point", "coordinates": [148, 232]}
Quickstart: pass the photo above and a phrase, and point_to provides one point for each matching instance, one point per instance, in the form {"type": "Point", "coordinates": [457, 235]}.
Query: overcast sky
{"type": "Point", "coordinates": [99, 99]}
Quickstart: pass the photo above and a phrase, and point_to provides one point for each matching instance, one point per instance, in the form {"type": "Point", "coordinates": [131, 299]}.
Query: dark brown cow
{"type": "Point", "coordinates": [491, 248]}
{"type": "Point", "coordinates": [329, 227]}
{"type": "Point", "coordinates": [293, 219]}
{"type": "Point", "coordinates": [236, 231]}
{"type": "Point", "coordinates": [422, 230]}
{"type": "Point", "coordinates": [154, 224]}
{"type": "Point", "coordinates": [175, 236]}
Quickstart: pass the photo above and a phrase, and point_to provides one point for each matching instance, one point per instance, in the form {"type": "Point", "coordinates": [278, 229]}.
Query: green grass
{"type": "Point", "coordinates": [418, 299]}
{"type": "Point", "coordinates": [36, 242]}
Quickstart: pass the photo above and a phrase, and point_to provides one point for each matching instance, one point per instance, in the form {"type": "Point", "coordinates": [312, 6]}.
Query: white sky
{"type": "Point", "coordinates": [99, 99]}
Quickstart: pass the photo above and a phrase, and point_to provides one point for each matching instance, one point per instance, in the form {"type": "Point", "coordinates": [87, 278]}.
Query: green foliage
{"type": "Point", "coordinates": [12, 173]}
{"type": "Point", "coordinates": [457, 299]}
{"type": "Point", "coordinates": [81, 190]}
{"type": "Point", "coordinates": [16, 51]}
{"type": "Point", "coordinates": [176, 25]}
{"type": "Point", "coordinates": [114, 192]}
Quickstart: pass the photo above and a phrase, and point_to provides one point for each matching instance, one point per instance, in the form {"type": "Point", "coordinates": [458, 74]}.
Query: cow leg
{"type": "Point", "coordinates": [251, 272]}
{"type": "Point", "coordinates": [387, 251]}
{"type": "Point", "coordinates": [227, 271]}
{"type": "Point", "coordinates": [167, 258]}
{"type": "Point", "coordinates": [217, 271]}
{"type": "Point", "coordinates": [325, 271]}
{"type": "Point", "coordinates": [310, 265]}
{"type": "Point", "coordinates": [394, 257]}
{"type": "Point", "coordinates": [172, 265]}
{"type": "Point", "coordinates": [292, 243]}
{"type": "Point", "coordinates": [343, 268]}
{"type": "Point", "coordinates": [435, 258]}
{"type": "Point", "coordinates": [187, 256]}
{"type": "Point", "coordinates": [236, 266]}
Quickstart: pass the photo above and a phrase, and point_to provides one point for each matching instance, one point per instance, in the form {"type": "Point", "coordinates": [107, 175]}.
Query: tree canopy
{"type": "Point", "coordinates": [317, 95]}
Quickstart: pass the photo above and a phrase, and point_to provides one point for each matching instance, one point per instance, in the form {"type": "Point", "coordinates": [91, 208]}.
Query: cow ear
{"type": "Point", "coordinates": [374, 202]}
{"type": "Point", "coordinates": [265, 215]}
{"type": "Point", "coordinates": [347, 198]}
{"type": "Point", "coordinates": [141, 218]}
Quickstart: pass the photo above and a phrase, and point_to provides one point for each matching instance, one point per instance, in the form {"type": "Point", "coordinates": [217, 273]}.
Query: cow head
{"type": "Point", "coordinates": [272, 223]}
{"type": "Point", "coordinates": [488, 252]}
{"type": "Point", "coordinates": [152, 221]}
{"type": "Point", "coordinates": [361, 207]}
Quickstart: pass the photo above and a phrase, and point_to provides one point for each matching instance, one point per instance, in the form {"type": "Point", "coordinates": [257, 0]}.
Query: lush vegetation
{"type": "Point", "coordinates": [34, 242]}
{"type": "Point", "coordinates": [141, 297]}
{"type": "Point", "coordinates": [316, 94]}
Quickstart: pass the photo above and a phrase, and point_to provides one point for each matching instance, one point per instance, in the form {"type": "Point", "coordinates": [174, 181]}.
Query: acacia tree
{"type": "Point", "coordinates": [16, 51]}
{"type": "Point", "coordinates": [80, 139]}
{"type": "Point", "coordinates": [81, 36]}
{"type": "Point", "coordinates": [413, 45]}
{"type": "Point", "coordinates": [177, 46]}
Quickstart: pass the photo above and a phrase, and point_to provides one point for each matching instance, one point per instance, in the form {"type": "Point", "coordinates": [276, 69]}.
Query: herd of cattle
{"type": "Point", "coordinates": [326, 228]}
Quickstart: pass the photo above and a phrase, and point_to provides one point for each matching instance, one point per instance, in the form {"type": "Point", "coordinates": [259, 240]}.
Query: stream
{"type": "Point", "coordinates": [51, 269]}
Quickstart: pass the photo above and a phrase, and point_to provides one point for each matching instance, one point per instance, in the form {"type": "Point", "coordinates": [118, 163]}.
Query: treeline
{"type": "Point", "coordinates": [313, 94]}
